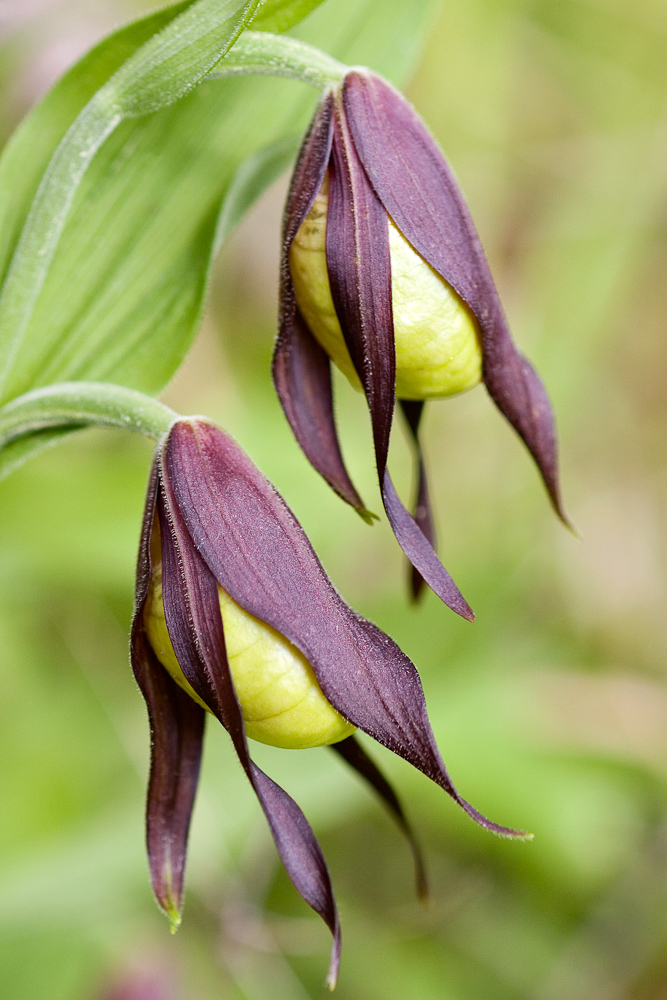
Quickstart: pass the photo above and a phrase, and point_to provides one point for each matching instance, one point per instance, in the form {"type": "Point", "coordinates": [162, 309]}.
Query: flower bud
{"type": "Point", "coordinates": [438, 350]}
{"type": "Point", "coordinates": [281, 702]}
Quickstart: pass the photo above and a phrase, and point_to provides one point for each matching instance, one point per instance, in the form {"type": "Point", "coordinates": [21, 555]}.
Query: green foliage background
{"type": "Point", "coordinates": [551, 711]}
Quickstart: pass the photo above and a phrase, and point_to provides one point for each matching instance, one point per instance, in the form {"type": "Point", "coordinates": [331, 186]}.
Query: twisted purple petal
{"type": "Point", "coordinates": [177, 727]}
{"type": "Point", "coordinates": [352, 752]}
{"type": "Point", "coordinates": [359, 266]}
{"type": "Point", "coordinates": [301, 368]}
{"type": "Point", "coordinates": [423, 514]}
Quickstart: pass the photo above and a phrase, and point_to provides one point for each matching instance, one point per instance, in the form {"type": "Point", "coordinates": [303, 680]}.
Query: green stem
{"type": "Point", "coordinates": [82, 404]}
{"type": "Point", "coordinates": [258, 52]}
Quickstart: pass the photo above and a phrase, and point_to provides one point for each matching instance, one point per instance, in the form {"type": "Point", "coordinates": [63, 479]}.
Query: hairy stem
{"type": "Point", "coordinates": [83, 404]}
{"type": "Point", "coordinates": [258, 52]}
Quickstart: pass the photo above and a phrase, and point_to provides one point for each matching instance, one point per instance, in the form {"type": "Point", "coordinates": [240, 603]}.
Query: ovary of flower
{"type": "Point", "coordinates": [438, 351]}
{"type": "Point", "coordinates": [281, 701]}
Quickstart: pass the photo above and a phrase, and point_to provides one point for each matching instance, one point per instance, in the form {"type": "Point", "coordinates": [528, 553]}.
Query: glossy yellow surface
{"type": "Point", "coordinates": [280, 699]}
{"type": "Point", "coordinates": [438, 351]}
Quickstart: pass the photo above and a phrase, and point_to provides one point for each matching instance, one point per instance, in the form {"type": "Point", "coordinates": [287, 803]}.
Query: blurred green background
{"type": "Point", "coordinates": [551, 711]}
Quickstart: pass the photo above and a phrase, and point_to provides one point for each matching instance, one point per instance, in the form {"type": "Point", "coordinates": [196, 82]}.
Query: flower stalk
{"type": "Point", "coordinates": [84, 404]}
{"type": "Point", "coordinates": [263, 54]}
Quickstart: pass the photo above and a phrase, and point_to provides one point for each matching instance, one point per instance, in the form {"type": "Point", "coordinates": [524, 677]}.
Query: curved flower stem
{"type": "Point", "coordinates": [258, 52]}
{"type": "Point", "coordinates": [82, 404]}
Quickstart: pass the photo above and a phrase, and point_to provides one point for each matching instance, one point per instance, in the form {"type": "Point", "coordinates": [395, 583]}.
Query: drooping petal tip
{"type": "Point", "coordinates": [334, 962]}
{"type": "Point", "coordinates": [506, 832]}
{"type": "Point", "coordinates": [353, 753]}
{"type": "Point", "coordinates": [174, 915]}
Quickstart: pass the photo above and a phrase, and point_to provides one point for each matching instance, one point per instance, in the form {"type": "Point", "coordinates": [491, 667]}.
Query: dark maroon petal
{"type": "Point", "coordinates": [419, 551]}
{"type": "Point", "coordinates": [354, 754]}
{"type": "Point", "coordinates": [143, 573]}
{"type": "Point", "coordinates": [194, 622]}
{"type": "Point", "coordinates": [418, 189]}
{"type": "Point", "coordinates": [309, 172]}
{"type": "Point", "coordinates": [177, 729]}
{"type": "Point", "coordinates": [301, 369]}
{"type": "Point", "coordinates": [259, 554]}
{"type": "Point", "coordinates": [177, 726]}
{"type": "Point", "coordinates": [359, 268]}
{"type": "Point", "coordinates": [423, 515]}
{"type": "Point", "coordinates": [302, 377]}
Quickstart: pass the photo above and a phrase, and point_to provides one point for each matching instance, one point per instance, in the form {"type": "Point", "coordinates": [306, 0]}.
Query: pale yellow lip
{"type": "Point", "coordinates": [438, 350]}
{"type": "Point", "coordinates": [281, 701]}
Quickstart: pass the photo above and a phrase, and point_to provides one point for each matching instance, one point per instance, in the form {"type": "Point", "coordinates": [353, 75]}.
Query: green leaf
{"type": "Point", "coordinates": [281, 15]}
{"type": "Point", "coordinates": [17, 452]}
{"type": "Point", "coordinates": [386, 35]}
{"type": "Point", "coordinates": [165, 68]}
{"type": "Point", "coordinates": [122, 295]}
{"type": "Point", "coordinates": [27, 154]}
{"type": "Point", "coordinates": [253, 176]}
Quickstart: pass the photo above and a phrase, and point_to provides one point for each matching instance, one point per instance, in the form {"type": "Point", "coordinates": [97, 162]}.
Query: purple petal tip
{"type": "Point", "coordinates": [500, 831]}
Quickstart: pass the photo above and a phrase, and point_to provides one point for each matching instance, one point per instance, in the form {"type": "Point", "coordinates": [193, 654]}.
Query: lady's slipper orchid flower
{"type": "Point", "coordinates": [235, 616]}
{"type": "Point", "coordinates": [383, 273]}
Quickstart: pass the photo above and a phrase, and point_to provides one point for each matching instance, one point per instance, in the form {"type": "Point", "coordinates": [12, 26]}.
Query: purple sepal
{"type": "Point", "coordinates": [194, 622]}
{"type": "Point", "coordinates": [420, 552]}
{"type": "Point", "coordinates": [177, 731]}
{"type": "Point", "coordinates": [177, 727]}
{"type": "Point", "coordinates": [423, 513]}
{"type": "Point", "coordinates": [258, 552]}
{"type": "Point", "coordinates": [356, 757]}
{"type": "Point", "coordinates": [301, 368]}
{"type": "Point", "coordinates": [359, 266]}
{"type": "Point", "coordinates": [417, 188]}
